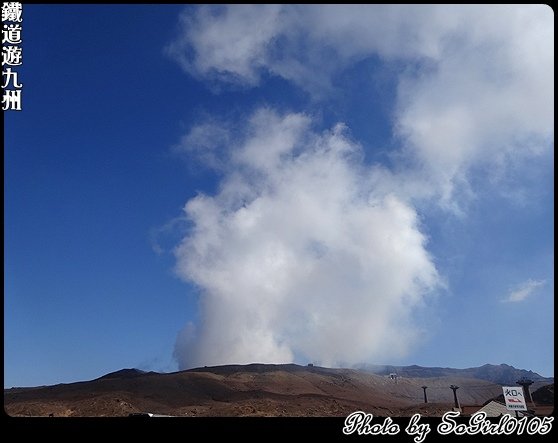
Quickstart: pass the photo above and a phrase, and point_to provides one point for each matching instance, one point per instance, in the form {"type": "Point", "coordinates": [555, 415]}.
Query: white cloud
{"type": "Point", "coordinates": [477, 86]}
{"type": "Point", "coordinates": [168, 234]}
{"type": "Point", "coordinates": [298, 256]}
{"type": "Point", "coordinates": [489, 99]}
{"type": "Point", "coordinates": [206, 142]}
{"type": "Point", "coordinates": [229, 43]}
{"type": "Point", "coordinates": [524, 290]}
{"type": "Point", "coordinates": [306, 253]}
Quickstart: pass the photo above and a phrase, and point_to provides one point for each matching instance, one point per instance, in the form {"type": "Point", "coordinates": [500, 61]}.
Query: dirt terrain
{"type": "Point", "coordinates": [250, 390]}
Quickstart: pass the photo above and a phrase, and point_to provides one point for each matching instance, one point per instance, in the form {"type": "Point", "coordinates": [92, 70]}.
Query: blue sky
{"type": "Point", "coordinates": [190, 186]}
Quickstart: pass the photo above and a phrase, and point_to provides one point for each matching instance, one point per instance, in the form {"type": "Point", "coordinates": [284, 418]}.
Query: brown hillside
{"type": "Point", "coordinates": [251, 390]}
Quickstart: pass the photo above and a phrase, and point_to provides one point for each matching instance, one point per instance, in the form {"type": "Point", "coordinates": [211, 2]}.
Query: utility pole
{"type": "Point", "coordinates": [425, 399]}
{"type": "Point", "coordinates": [455, 388]}
{"type": "Point", "coordinates": [525, 383]}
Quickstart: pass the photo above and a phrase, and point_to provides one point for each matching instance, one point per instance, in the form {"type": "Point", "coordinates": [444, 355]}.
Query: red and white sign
{"type": "Point", "coordinates": [514, 397]}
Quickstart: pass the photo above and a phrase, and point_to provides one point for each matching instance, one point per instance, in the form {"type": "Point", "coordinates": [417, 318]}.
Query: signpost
{"type": "Point", "coordinates": [515, 400]}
